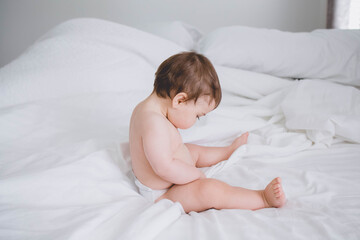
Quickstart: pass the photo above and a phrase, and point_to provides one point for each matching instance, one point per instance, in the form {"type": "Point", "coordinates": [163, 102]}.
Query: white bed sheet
{"type": "Point", "coordinates": [65, 167]}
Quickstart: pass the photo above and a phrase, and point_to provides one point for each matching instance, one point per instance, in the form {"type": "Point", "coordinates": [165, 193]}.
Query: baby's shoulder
{"type": "Point", "coordinates": [154, 120]}
{"type": "Point", "coordinates": [154, 126]}
{"type": "Point", "coordinates": [148, 118]}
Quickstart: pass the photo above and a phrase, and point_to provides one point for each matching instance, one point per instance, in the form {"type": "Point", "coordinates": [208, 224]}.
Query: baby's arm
{"type": "Point", "coordinates": [157, 148]}
{"type": "Point", "coordinates": [208, 156]}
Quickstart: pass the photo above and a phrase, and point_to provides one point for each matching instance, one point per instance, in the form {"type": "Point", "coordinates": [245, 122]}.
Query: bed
{"type": "Point", "coordinates": [65, 106]}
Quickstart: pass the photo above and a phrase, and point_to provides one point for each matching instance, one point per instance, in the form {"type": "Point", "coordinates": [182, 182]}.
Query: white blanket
{"type": "Point", "coordinates": [65, 168]}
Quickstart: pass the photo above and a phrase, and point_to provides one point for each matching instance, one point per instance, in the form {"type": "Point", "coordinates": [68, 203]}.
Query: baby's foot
{"type": "Point", "coordinates": [240, 140]}
{"type": "Point", "coordinates": [273, 194]}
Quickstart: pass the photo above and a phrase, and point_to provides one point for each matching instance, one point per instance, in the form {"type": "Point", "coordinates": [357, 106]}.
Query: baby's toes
{"type": "Point", "coordinates": [276, 186]}
{"type": "Point", "coordinates": [278, 194]}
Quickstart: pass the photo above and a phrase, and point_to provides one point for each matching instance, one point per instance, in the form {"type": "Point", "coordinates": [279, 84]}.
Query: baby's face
{"type": "Point", "coordinates": [187, 115]}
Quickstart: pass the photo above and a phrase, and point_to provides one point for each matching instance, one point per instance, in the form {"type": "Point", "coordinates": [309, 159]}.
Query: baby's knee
{"type": "Point", "coordinates": [211, 190]}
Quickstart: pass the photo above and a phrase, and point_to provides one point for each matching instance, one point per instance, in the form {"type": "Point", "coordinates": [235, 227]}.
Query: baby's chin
{"type": "Point", "coordinates": [183, 126]}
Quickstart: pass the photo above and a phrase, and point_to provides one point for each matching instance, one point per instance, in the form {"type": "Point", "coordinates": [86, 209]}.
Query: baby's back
{"type": "Point", "coordinates": [141, 120]}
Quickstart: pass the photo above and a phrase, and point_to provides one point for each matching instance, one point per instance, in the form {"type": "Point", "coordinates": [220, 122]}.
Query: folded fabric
{"type": "Point", "coordinates": [324, 110]}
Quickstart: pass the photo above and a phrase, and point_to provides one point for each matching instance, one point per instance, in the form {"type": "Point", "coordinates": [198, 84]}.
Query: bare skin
{"type": "Point", "coordinates": [160, 159]}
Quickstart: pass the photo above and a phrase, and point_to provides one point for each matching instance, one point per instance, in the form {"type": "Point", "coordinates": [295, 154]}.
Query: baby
{"type": "Point", "coordinates": [186, 88]}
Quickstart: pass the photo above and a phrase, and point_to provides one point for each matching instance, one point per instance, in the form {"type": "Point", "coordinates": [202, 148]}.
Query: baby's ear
{"type": "Point", "coordinates": [179, 99]}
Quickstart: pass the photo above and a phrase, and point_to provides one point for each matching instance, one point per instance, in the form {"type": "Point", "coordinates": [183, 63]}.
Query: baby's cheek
{"type": "Point", "coordinates": [192, 121]}
{"type": "Point", "coordinates": [187, 123]}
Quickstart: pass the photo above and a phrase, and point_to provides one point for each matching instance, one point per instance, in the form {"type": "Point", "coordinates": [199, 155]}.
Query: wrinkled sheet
{"type": "Point", "coordinates": [65, 168]}
{"type": "Point", "coordinates": [65, 174]}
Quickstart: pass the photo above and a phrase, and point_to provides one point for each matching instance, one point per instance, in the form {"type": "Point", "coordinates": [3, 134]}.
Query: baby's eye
{"type": "Point", "coordinates": [198, 117]}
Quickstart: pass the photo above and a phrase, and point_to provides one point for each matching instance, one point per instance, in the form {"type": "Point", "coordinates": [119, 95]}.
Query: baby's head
{"type": "Point", "coordinates": [187, 72]}
{"type": "Point", "coordinates": [188, 77]}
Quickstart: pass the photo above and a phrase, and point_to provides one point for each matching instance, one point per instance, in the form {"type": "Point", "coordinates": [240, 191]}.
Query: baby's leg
{"type": "Point", "coordinates": [209, 193]}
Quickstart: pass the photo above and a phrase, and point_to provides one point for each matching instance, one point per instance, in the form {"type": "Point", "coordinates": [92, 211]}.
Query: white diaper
{"type": "Point", "coordinates": [149, 193]}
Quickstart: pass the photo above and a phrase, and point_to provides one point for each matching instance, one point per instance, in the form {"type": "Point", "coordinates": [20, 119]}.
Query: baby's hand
{"type": "Point", "coordinates": [240, 141]}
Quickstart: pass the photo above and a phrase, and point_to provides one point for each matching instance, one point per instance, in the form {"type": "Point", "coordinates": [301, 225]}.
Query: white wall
{"type": "Point", "coordinates": [23, 21]}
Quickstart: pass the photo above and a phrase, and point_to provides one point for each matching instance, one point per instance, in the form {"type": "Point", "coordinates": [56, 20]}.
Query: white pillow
{"type": "Point", "coordinates": [179, 32]}
{"type": "Point", "coordinates": [322, 54]}
{"type": "Point", "coordinates": [251, 85]}
{"type": "Point", "coordinates": [84, 56]}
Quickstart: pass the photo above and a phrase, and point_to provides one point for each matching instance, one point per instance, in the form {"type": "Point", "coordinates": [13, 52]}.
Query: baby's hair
{"type": "Point", "coordinates": [187, 72]}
